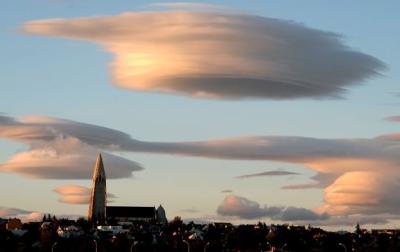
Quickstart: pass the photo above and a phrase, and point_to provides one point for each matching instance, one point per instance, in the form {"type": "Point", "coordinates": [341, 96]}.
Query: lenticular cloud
{"type": "Point", "coordinates": [219, 55]}
{"type": "Point", "coordinates": [76, 194]}
{"type": "Point", "coordinates": [359, 176]}
{"type": "Point", "coordinates": [62, 149]}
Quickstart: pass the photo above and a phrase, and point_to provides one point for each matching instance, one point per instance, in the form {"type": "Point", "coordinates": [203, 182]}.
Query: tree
{"type": "Point", "coordinates": [177, 222]}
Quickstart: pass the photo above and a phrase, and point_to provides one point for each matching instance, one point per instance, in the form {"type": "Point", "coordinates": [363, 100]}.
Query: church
{"type": "Point", "coordinates": [99, 212]}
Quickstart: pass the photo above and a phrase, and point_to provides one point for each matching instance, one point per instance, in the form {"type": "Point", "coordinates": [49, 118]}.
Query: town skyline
{"type": "Point", "coordinates": [211, 109]}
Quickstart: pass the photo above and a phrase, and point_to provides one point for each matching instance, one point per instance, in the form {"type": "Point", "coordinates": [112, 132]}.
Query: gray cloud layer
{"type": "Point", "coordinates": [226, 191]}
{"type": "Point", "coordinates": [244, 208]}
{"type": "Point", "coordinates": [267, 174]}
{"type": "Point", "coordinates": [219, 55]}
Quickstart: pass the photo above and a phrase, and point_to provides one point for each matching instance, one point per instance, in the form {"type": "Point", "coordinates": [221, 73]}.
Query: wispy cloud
{"type": "Point", "coordinates": [226, 191]}
{"type": "Point", "coordinates": [6, 212]}
{"type": "Point", "coordinates": [190, 210]}
{"type": "Point", "coordinates": [322, 180]}
{"type": "Point", "coordinates": [23, 215]}
{"type": "Point", "coordinates": [267, 174]}
{"type": "Point", "coordinates": [392, 118]}
{"type": "Point", "coordinates": [29, 216]}
{"type": "Point", "coordinates": [219, 55]}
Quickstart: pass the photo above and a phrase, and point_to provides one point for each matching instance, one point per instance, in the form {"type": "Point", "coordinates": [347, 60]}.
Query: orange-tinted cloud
{"type": "Point", "coordinates": [73, 194]}
{"type": "Point", "coordinates": [76, 194]}
{"type": "Point", "coordinates": [371, 192]}
{"type": "Point", "coordinates": [219, 55]}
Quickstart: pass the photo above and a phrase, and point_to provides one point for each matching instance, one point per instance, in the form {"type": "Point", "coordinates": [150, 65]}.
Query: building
{"type": "Point", "coordinates": [131, 213]}
{"type": "Point", "coordinates": [99, 212]}
{"type": "Point", "coordinates": [3, 224]}
{"type": "Point", "coordinates": [161, 216]}
{"type": "Point", "coordinates": [97, 208]}
{"type": "Point", "coordinates": [14, 224]}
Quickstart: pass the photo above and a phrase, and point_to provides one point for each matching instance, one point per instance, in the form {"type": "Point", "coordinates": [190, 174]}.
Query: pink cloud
{"type": "Point", "coordinates": [244, 208]}
{"type": "Point", "coordinates": [76, 194]}
{"type": "Point", "coordinates": [392, 118]}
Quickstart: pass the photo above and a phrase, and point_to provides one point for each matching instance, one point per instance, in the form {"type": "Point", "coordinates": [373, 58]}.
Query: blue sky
{"type": "Point", "coordinates": [71, 79]}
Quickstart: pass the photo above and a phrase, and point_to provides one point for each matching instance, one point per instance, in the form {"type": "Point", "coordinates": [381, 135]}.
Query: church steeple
{"type": "Point", "coordinates": [99, 173]}
{"type": "Point", "coordinates": [97, 208]}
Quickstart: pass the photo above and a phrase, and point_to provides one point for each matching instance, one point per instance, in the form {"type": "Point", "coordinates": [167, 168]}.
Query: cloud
{"type": "Point", "coordinates": [76, 194]}
{"type": "Point", "coordinates": [33, 129]}
{"type": "Point", "coordinates": [241, 207]}
{"type": "Point", "coordinates": [219, 55]}
{"type": "Point", "coordinates": [190, 210]}
{"type": "Point", "coordinates": [6, 212]}
{"type": "Point", "coordinates": [268, 173]}
{"type": "Point", "coordinates": [27, 215]}
{"type": "Point", "coordinates": [187, 5]}
{"type": "Point", "coordinates": [244, 208]}
{"type": "Point", "coordinates": [358, 175]}
{"type": "Point", "coordinates": [299, 213]}
{"type": "Point", "coordinates": [394, 137]}
{"type": "Point", "coordinates": [378, 158]}
{"type": "Point", "coordinates": [73, 194]}
{"type": "Point", "coordinates": [349, 220]}
{"type": "Point", "coordinates": [226, 191]}
{"type": "Point", "coordinates": [61, 149]}
{"type": "Point", "coordinates": [321, 179]}
{"type": "Point", "coordinates": [32, 217]}
{"type": "Point", "coordinates": [66, 158]}
{"type": "Point", "coordinates": [392, 118]}
{"type": "Point", "coordinates": [369, 192]}
{"type": "Point", "coordinates": [23, 215]}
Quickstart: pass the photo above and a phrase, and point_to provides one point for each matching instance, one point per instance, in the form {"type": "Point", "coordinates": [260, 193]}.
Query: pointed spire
{"type": "Point", "coordinates": [99, 160]}
{"type": "Point", "coordinates": [99, 172]}
{"type": "Point", "coordinates": [97, 207]}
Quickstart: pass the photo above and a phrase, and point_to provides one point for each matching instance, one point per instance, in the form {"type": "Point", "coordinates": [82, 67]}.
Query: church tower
{"type": "Point", "coordinates": [97, 208]}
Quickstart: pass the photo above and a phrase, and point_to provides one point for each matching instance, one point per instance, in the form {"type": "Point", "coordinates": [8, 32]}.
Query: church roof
{"type": "Point", "coordinates": [129, 211]}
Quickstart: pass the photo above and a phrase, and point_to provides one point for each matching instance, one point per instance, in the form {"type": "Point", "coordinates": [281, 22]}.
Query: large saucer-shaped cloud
{"type": "Point", "coordinates": [219, 55]}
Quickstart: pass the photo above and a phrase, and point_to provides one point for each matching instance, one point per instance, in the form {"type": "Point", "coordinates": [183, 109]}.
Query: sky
{"type": "Point", "coordinates": [219, 110]}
